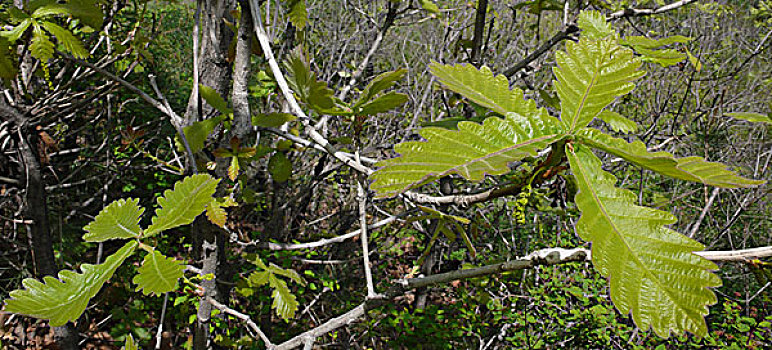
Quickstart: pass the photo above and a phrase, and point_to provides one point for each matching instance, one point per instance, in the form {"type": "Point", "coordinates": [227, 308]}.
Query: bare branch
{"type": "Point", "coordinates": [252, 325]}
{"type": "Point", "coordinates": [554, 40]}
{"type": "Point", "coordinates": [548, 256]}
{"type": "Point", "coordinates": [327, 241]}
{"type": "Point", "coordinates": [736, 255]}
{"type": "Point", "coordinates": [265, 44]}
{"type": "Point", "coordinates": [362, 199]}
{"type": "Point", "coordinates": [649, 12]}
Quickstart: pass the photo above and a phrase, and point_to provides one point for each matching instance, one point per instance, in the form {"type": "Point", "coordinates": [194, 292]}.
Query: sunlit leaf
{"type": "Point", "coordinates": [617, 122]}
{"type": "Point", "coordinates": [233, 169]}
{"type": "Point", "coordinates": [129, 344]}
{"type": "Point", "coordinates": [64, 299]}
{"type": "Point", "coordinates": [695, 169]}
{"type": "Point", "coordinates": [17, 31]}
{"type": "Point", "coordinates": [87, 11]}
{"type": "Point", "coordinates": [70, 42]}
{"type": "Point", "coordinates": [481, 87]}
{"type": "Point", "coordinates": [216, 213]}
{"type": "Point", "coordinates": [181, 206]}
{"type": "Point", "coordinates": [298, 14]}
{"type": "Point", "coordinates": [289, 273]}
{"type": "Point", "coordinates": [41, 46]}
{"type": "Point", "coordinates": [751, 117]}
{"type": "Point", "coordinates": [590, 75]}
{"type": "Point", "coordinates": [594, 26]}
{"type": "Point", "coordinates": [472, 151]}
{"type": "Point", "coordinates": [651, 269]}
{"type": "Point", "coordinates": [120, 219]}
{"type": "Point", "coordinates": [430, 6]}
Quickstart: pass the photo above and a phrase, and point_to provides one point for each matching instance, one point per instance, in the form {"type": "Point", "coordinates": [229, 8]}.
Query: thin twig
{"type": "Point", "coordinates": [554, 40]}
{"type": "Point", "coordinates": [705, 209]}
{"type": "Point", "coordinates": [327, 241]}
{"type": "Point", "coordinates": [362, 199]}
{"type": "Point", "coordinates": [159, 333]}
{"type": "Point", "coordinates": [391, 15]}
{"type": "Point", "coordinates": [649, 12]}
{"type": "Point", "coordinates": [262, 37]}
{"type": "Point", "coordinates": [248, 320]}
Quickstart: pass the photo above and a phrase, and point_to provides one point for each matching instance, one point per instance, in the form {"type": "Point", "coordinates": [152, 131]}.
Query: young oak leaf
{"type": "Point", "coordinates": [181, 206]}
{"type": "Point", "coordinates": [118, 220]}
{"type": "Point", "coordinates": [158, 274]}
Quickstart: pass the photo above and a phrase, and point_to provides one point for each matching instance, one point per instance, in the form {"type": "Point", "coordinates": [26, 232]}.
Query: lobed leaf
{"type": "Point", "coordinates": [284, 302]}
{"type": "Point", "coordinates": [289, 273]}
{"type": "Point", "coordinates": [158, 274]}
{"type": "Point", "coordinates": [181, 206]}
{"type": "Point", "coordinates": [590, 75]}
{"type": "Point", "coordinates": [481, 87]}
{"type": "Point", "coordinates": [594, 26]}
{"type": "Point", "coordinates": [67, 39]}
{"type": "Point", "coordinates": [41, 47]}
{"type": "Point", "coordinates": [472, 151]}
{"type": "Point", "coordinates": [129, 344]}
{"type": "Point", "coordinates": [648, 43]}
{"type": "Point", "coordinates": [216, 213]}
{"type": "Point", "coordinates": [87, 11]}
{"type": "Point", "coordinates": [651, 269]}
{"type": "Point", "coordinates": [695, 169]}
{"type": "Point", "coordinates": [64, 299]}
{"type": "Point", "coordinates": [120, 219]}
{"type": "Point", "coordinates": [664, 57]}
{"type": "Point", "coordinates": [298, 14]}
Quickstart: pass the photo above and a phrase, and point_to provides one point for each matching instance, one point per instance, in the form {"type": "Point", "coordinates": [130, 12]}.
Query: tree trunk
{"type": "Point", "coordinates": [214, 71]}
{"type": "Point", "coordinates": [36, 209]}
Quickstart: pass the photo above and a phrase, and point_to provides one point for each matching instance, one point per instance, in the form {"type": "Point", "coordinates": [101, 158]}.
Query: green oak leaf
{"type": "Point", "coordinates": [118, 220]}
{"type": "Point", "coordinates": [284, 302]}
{"type": "Point", "coordinates": [651, 269]}
{"type": "Point", "coordinates": [181, 206]}
{"type": "Point", "coordinates": [695, 169]}
{"type": "Point", "coordinates": [158, 274]}
{"type": "Point", "coordinates": [64, 299]}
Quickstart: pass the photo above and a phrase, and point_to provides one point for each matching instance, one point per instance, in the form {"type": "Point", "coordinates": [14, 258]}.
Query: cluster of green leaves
{"type": "Point", "coordinates": [39, 18]}
{"type": "Point", "coordinates": [284, 302]}
{"type": "Point", "coordinates": [64, 299]}
{"type": "Point", "coordinates": [651, 269]}
{"type": "Point", "coordinates": [451, 226]}
{"type": "Point", "coordinates": [319, 97]}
